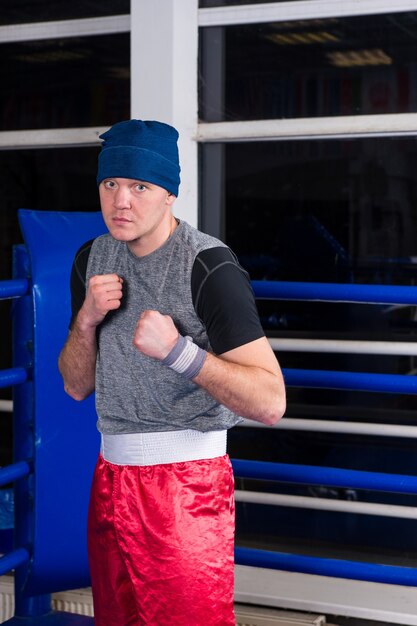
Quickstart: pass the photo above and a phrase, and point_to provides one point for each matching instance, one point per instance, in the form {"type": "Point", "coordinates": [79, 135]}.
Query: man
{"type": "Point", "coordinates": [165, 330]}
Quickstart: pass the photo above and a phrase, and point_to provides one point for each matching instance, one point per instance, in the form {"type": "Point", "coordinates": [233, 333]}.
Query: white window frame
{"type": "Point", "coordinates": [349, 126]}
{"type": "Point", "coordinates": [164, 87]}
{"type": "Point", "coordinates": [57, 29]}
{"type": "Point", "coordinates": [301, 9]}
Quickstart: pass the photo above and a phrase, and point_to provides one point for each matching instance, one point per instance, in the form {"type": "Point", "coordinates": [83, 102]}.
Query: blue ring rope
{"type": "Point", "coordinates": [354, 381]}
{"type": "Point", "coordinates": [9, 473]}
{"type": "Point", "coordinates": [13, 559]}
{"type": "Point", "coordinates": [13, 376]}
{"type": "Point", "coordinates": [13, 288]}
{"type": "Point", "coordinates": [335, 477]}
{"type": "Point", "coordinates": [334, 292]}
{"type": "Point", "coordinates": [389, 574]}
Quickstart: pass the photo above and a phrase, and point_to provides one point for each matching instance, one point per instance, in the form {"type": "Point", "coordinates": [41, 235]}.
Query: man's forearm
{"type": "Point", "coordinates": [77, 361]}
{"type": "Point", "coordinates": [246, 379]}
{"type": "Point", "coordinates": [249, 391]}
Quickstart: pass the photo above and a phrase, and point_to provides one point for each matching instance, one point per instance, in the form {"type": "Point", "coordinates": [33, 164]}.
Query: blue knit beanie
{"type": "Point", "coordinates": [141, 150]}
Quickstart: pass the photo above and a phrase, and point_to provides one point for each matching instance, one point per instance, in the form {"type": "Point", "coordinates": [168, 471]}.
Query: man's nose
{"type": "Point", "coordinates": [122, 198]}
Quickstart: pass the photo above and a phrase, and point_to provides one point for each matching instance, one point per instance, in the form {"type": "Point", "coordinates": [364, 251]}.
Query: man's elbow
{"type": "Point", "coordinates": [77, 394]}
{"type": "Point", "coordinates": [275, 413]}
{"type": "Point", "coordinates": [274, 410]}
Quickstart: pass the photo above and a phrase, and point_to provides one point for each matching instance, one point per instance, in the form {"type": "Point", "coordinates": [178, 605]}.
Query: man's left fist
{"type": "Point", "coordinates": [155, 334]}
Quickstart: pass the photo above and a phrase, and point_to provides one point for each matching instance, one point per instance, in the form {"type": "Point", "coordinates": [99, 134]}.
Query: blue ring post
{"type": "Point", "coordinates": [54, 436]}
{"type": "Point", "coordinates": [23, 444]}
{"type": "Point", "coordinates": [62, 434]}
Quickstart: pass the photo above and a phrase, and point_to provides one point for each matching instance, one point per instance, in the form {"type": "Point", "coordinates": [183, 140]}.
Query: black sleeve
{"type": "Point", "coordinates": [78, 279]}
{"type": "Point", "coordinates": [224, 300]}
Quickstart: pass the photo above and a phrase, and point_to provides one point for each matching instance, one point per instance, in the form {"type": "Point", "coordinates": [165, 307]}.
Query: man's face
{"type": "Point", "coordinates": [137, 212]}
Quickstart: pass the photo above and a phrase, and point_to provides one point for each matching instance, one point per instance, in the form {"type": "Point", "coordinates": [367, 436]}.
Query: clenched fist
{"type": "Point", "coordinates": [104, 294]}
{"type": "Point", "coordinates": [155, 334]}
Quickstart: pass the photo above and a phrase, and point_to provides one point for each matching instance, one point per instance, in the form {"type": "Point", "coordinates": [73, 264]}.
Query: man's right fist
{"type": "Point", "coordinates": [104, 294]}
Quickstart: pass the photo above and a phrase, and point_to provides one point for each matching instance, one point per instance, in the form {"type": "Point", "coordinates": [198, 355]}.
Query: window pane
{"type": "Point", "coordinates": [65, 82]}
{"type": "Point", "coordinates": [309, 68]}
{"type": "Point", "coordinates": [48, 179]}
{"type": "Point", "coordinates": [342, 210]}
{"type": "Point", "coordinates": [24, 11]}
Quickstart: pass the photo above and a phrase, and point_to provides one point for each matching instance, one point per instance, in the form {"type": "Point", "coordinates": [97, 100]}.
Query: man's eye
{"type": "Point", "coordinates": [140, 187]}
{"type": "Point", "coordinates": [110, 184]}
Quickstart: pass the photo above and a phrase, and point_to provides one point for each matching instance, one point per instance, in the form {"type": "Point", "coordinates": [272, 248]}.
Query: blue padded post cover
{"type": "Point", "coordinates": [66, 442]}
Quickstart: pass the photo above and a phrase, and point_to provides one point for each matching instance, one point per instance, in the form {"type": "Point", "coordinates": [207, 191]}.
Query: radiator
{"type": "Point", "coordinates": [259, 616]}
{"type": "Point", "coordinates": [79, 601]}
{"type": "Point", "coordinates": [76, 601]}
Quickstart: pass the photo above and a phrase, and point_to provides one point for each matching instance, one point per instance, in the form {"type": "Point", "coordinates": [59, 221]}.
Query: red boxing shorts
{"type": "Point", "coordinates": [160, 542]}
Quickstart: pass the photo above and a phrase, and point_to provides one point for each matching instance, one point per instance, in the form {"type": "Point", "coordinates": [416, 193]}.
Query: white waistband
{"type": "Point", "coordinates": [164, 447]}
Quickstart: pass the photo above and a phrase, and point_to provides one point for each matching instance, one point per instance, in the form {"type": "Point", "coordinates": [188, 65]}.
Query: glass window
{"type": "Point", "coordinates": [68, 83]}
{"type": "Point", "coordinates": [342, 210]}
{"type": "Point", "coordinates": [309, 68]}
{"type": "Point", "coordinates": [48, 179]}
{"type": "Point", "coordinates": [22, 11]}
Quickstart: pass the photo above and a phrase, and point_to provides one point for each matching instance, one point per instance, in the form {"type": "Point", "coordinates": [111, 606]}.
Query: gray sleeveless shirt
{"type": "Point", "coordinates": [134, 392]}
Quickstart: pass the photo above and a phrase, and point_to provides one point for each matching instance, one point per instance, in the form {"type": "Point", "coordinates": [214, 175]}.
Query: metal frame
{"type": "Point", "coordinates": [343, 428]}
{"type": "Point", "coordinates": [327, 504]}
{"type": "Point", "coordinates": [344, 127]}
{"type": "Point", "coordinates": [65, 28]}
{"type": "Point", "coordinates": [344, 346]}
{"type": "Point", "coordinates": [303, 9]}
{"type": "Point", "coordinates": [165, 86]}
{"type": "Point", "coordinates": [50, 138]}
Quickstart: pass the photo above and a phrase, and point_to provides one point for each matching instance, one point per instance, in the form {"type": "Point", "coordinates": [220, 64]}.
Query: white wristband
{"type": "Point", "coordinates": [186, 357]}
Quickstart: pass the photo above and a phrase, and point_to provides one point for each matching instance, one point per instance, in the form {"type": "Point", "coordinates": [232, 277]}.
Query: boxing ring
{"type": "Point", "coordinates": [56, 442]}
